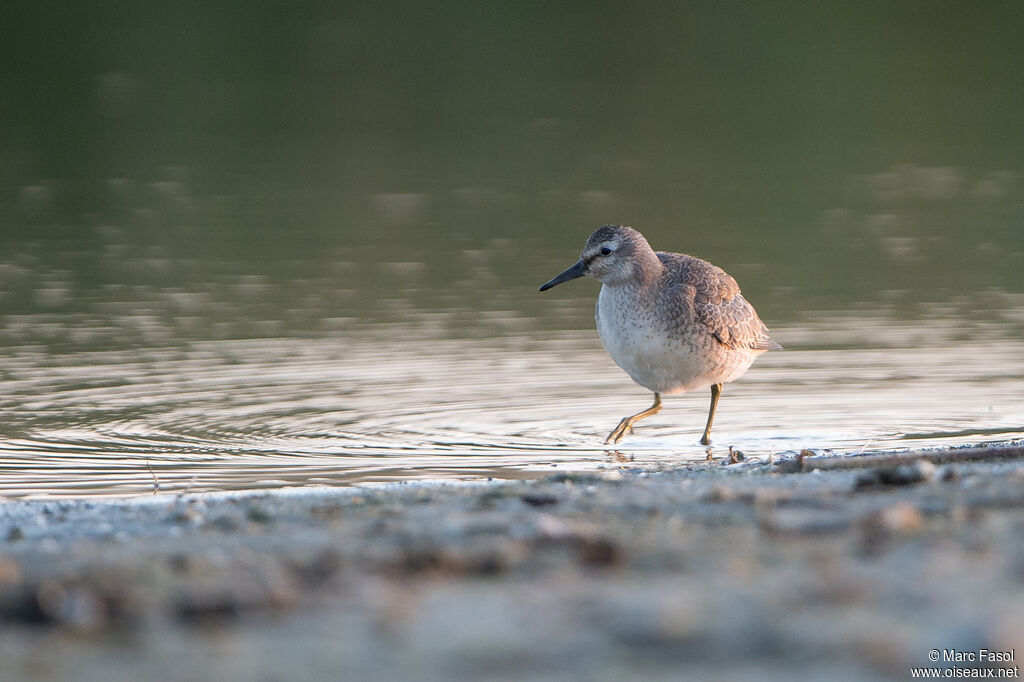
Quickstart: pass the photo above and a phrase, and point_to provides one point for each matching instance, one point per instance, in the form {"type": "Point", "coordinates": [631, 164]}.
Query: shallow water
{"type": "Point", "coordinates": [284, 412]}
{"type": "Point", "coordinates": [294, 245]}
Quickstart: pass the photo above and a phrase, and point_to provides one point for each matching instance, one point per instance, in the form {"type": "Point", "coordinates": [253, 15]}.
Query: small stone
{"type": "Point", "coordinates": [188, 515]}
{"type": "Point", "coordinates": [867, 479]}
{"type": "Point", "coordinates": [901, 518]}
{"type": "Point", "coordinates": [735, 456]}
{"type": "Point", "coordinates": [597, 552]}
{"type": "Point", "coordinates": [539, 499]}
{"type": "Point", "coordinates": [10, 574]}
{"type": "Point", "coordinates": [180, 563]}
{"type": "Point", "coordinates": [225, 523]}
{"type": "Point", "coordinates": [325, 511]}
{"type": "Point", "coordinates": [258, 515]}
{"type": "Point", "coordinates": [718, 494]}
{"type": "Point", "coordinates": [551, 527]}
{"type": "Point", "coordinates": [904, 474]}
{"type": "Point", "coordinates": [76, 608]}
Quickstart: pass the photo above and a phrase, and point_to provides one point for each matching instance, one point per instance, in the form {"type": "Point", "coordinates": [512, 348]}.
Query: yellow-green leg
{"type": "Point", "coordinates": [627, 422]}
{"type": "Point", "coordinates": [716, 391]}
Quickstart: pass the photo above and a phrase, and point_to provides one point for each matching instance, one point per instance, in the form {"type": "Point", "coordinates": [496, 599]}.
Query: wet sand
{"type": "Point", "coordinates": [838, 567]}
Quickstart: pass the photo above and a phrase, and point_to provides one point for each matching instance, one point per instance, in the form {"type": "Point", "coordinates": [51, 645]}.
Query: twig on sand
{"type": "Point", "coordinates": [894, 458]}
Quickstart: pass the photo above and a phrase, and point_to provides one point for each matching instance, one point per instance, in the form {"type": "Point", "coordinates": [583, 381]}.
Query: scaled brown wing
{"type": "Point", "coordinates": [716, 302]}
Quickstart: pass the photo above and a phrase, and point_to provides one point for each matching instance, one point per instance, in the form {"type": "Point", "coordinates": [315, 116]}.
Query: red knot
{"type": "Point", "coordinates": [675, 323]}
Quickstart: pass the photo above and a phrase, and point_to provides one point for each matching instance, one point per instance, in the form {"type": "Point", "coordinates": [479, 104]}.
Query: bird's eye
{"type": "Point", "coordinates": [605, 251]}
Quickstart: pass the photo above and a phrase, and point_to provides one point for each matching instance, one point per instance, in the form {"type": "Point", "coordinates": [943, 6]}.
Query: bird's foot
{"type": "Point", "coordinates": [619, 431]}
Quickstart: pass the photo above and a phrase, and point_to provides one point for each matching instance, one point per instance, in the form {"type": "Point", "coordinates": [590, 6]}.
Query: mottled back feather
{"type": "Point", "coordinates": [708, 294]}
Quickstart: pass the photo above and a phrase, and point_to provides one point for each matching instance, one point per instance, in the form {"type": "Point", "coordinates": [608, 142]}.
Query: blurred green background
{"type": "Point", "coordinates": [190, 170]}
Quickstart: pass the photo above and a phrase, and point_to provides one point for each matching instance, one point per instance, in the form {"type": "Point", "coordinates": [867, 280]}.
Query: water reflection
{"type": "Point", "coordinates": [902, 241]}
{"type": "Point", "coordinates": [129, 360]}
{"type": "Point", "coordinates": [237, 245]}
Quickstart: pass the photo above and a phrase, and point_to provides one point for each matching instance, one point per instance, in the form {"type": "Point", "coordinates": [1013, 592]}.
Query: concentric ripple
{"type": "Point", "coordinates": [287, 412]}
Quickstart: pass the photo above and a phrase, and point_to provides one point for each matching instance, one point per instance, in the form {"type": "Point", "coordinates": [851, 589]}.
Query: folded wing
{"type": "Point", "coordinates": [709, 294]}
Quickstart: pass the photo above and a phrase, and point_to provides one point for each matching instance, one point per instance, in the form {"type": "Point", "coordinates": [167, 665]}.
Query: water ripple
{"type": "Point", "coordinates": [284, 412]}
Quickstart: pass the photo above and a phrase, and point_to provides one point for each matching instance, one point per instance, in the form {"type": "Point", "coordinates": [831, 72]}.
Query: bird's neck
{"type": "Point", "coordinates": [642, 277]}
{"type": "Point", "coordinates": [647, 268]}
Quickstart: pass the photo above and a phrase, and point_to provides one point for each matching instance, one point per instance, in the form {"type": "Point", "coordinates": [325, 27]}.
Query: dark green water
{"type": "Point", "coordinates": [316, 172]}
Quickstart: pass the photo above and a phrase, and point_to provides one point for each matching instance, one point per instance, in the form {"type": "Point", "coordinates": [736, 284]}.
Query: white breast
{"type": "Point", "coordinates": [641, 344]}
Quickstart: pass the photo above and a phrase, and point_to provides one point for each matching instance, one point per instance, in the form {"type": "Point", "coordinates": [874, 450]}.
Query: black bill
{"type": "Point", "coordinates": [573, 272]}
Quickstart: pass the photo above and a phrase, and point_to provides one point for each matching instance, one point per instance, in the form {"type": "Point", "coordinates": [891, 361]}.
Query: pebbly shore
{"type": "Point", "coordinates": [845, 567]}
